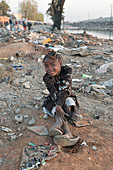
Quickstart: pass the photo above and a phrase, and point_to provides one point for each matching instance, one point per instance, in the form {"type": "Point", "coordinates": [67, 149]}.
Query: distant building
{"type": "Point", "coordinates": [18, 16]}
{"type": "Point", "coordinates": [4, 19]}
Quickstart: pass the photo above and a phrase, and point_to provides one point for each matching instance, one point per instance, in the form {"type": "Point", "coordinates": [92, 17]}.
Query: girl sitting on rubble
{"type": "Point", "coordinates": [60, 104]}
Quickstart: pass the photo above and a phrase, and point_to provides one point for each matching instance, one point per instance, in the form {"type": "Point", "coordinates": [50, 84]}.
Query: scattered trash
{"type": "Point", "coordinates": [31, 122]}
{"type": "Point", "coordinates": [87, 76]}
{"type": "Point", "coordinates": [13, 137]}
{"type": "Point", "coordinates": [37, 107]}
{"type": "Point", "coordinates": [45, 116]}
{"type": "Point", "coordinates": [10, 134]}
{"type": "Point", "coordinates": [31, 144]}
{"type": "Point", "coordinates": [5, 129]}
{"type": "Point", "coordinates": [17, 67]}
{"type": "Point", "coordinates": [19, 54]}
{"type": "Point", "coordinates": [45, 41]}
{"type": "Point", "coordinates": [94, 148]}
{"type": "Point", "coordinates": [19, 118]}
{"type": "Point", "coordinates": [108, 83]}
{"type": "Point", "coordinates": [84, 143]}
{"type": "Point", "coordinates": [33, 156]}
{"type": "Point", "coordinates": [40, 130]}
{"type": "Point", "coordinates": [76, 80]}
{"type": "Point", "coordinates": [3, 58]}
{"type": "Point", "coordinates": [22, 91]}
{"type": "Point", "coordinates": [96, 116]}
{"type": "Point", "coordinates": [103, 68]}
{"type": "Point", "coordinates": [97, 86]}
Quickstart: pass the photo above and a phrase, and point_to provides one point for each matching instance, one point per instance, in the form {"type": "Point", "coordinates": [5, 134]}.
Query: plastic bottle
{"type": "Point", "coordinates": [86, 76]}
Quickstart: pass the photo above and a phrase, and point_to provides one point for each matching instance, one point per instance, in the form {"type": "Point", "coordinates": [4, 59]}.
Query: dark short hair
{"type": "Point", "coordinates": [52, 55]}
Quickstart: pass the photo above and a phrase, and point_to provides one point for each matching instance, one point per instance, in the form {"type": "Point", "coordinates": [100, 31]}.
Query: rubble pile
{"type": "Point", "coordinates": [22, 90]}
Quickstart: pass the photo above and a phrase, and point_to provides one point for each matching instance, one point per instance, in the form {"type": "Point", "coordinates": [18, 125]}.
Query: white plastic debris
{"type": "Point", "coordinates": [84, 143]}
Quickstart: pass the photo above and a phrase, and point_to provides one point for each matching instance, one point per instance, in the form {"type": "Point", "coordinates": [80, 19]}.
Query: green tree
{"type": "Point", "coordinates": [55, 11]}
{"type": "Point", "coordinates": [4, 8]}
{"type": "Point", "coordinates": [29, 9]}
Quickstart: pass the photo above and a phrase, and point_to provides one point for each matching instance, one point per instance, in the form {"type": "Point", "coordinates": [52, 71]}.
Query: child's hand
{"type": "Point", "coordinates": [60, 112]}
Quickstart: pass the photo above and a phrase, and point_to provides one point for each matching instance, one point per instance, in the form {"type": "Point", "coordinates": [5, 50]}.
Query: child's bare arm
{"type": "Point", "coordinates": [60, 112]}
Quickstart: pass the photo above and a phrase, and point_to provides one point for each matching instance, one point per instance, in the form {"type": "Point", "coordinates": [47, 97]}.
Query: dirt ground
{"type": "Point", "coordinates": [97, 110]}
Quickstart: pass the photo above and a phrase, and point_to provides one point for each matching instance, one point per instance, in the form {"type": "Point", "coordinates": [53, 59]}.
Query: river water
{"type": "Point", "coordinates": [99, 34]}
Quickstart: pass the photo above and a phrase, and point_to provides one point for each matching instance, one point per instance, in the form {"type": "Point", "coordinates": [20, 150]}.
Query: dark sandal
{"type": "Point", "coordinates": [63, 140]}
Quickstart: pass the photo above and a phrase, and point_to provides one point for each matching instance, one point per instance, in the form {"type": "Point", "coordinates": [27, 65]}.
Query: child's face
{"type": "Point", "coordinates": [52, 67]}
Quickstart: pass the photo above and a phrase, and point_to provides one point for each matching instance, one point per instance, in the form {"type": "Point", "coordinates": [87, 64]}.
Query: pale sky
{"type": "Point", "coordinates": [74, 10]}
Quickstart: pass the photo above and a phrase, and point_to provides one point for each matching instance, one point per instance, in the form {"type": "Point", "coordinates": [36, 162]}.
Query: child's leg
{"type": "Point", "coordinates": [66, 129]}
{"type": "Point", "coordinates": [67, 139]}
{"type": "Point", "coordinates": [73, 109]}
{"type": "Point", "coordinates": [57, 127]}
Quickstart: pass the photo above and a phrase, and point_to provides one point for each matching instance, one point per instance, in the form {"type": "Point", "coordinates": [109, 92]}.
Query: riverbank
{"type": "Point", "coordinates": [22, 94]}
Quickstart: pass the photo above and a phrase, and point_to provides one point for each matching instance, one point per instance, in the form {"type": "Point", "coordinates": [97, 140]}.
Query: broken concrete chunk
{"type": "Point", "coordinates": [31, 122]}
{"type": "Point", "coordinates": [40, 130]}
{"type": "Point", "coordinates": [17, 110]}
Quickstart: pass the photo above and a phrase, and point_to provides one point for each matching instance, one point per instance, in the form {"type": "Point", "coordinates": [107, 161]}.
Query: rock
{"type": "Point", "coordinates": [46, 92]}
{"type": "Point", "coordinates": [31, 122]}
{"type": "Point", "coordinates": [45, 116]}
{"type": "Point", "coordinates": [111, 117]}
{"type": "Point", "coordinates": [108, 83]}
{"type": "Point", "coordinates": [18, 110]}
{"type": "Point", "coordinates": [96, 116]}
{"type": "Point", "coordinates": [1, 143]}
{"type": "Point", "coordinates": [37, 107]}
{"type": "Point", "coordinates": [108, 100]}
{"type": "Point", "coordinates": [10, 134]}
{"type": "Point", "coordinates": [26, 85]}
{"type": "Point", "coordinates": [13, 137]}
{"type": "Point", "coordinates": [11, 59]}
{"type": "Point", "coordinates": [20, 53]}
{"type": "Point", "coordinates": [26, 116]}
{"type": "Point", "coordinates": [1, 161]}
{"type": "Point", "coordinates": [2, 104]}
{"type": "Point", "coordinates": [88, 89]}
{"type": "Point", "coordinates": [18, 129]}
{"type": "Point", "coordinates": [94, 148]}
{"type": "Point", "coordinates": [19, 135]}
{"type": "Point", "coordinates": [89, 158]}
{"type": "Point", "coordinates": [37, 98]}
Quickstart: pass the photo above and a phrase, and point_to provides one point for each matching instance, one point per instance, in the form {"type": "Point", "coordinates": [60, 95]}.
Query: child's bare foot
{"type": "Point", "coordinates": [64, 140]}
{"type": "Point", "coordinates": [56, 128]}
{"type": "Point", "coordinates": [55, 131]}
{"type": "Point", "coordinates": [67, 139]}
